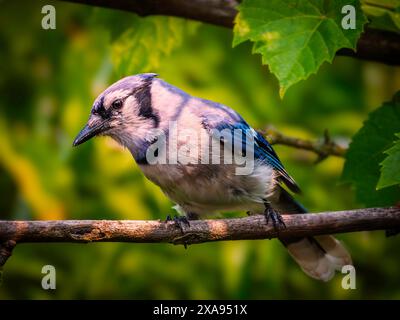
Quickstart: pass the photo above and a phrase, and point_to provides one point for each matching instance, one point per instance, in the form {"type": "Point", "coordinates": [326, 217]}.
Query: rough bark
{"type": "Point", "coordinates": [253, 227]}
{"type": "Point", "coordinates": [199, 231]}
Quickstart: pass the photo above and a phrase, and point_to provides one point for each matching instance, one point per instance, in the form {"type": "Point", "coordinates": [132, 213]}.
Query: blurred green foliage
{"type": "Point", "coordinates": [384, 14]}
{"type": "Point", "coordinates": [48, 81]}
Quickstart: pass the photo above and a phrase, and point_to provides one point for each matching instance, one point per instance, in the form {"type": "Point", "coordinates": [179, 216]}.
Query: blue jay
{"type": "Point", "coordinates": [137, 111]}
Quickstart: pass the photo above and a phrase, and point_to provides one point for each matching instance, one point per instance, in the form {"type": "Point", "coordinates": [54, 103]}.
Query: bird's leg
{"type": "Point", "coordinates": [182, 221]}
{"type": "Point", "coordinates": [183, 217]}
{"type": "Point", "coordinates": [179, 221]}
{"type": "Point", "coordinates": [274, 215]}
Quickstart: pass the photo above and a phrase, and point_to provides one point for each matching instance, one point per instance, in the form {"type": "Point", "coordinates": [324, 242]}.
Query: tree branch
{"type": "Point", "coordinates": [6, 249]}
{"type": "Point", "coordinates": [323, 148]}
{"type": "Point", "coordinates": [376, 45]}
{"type": "Point", "coordinates": [199, 231]}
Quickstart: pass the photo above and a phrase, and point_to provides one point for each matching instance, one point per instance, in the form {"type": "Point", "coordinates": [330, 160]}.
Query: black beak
{"type": "Point", "coordinates": [89, 132]}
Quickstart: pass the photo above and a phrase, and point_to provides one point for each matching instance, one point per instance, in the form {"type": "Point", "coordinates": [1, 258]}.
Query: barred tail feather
{"type": "Point", "coordinates": [320, 256]}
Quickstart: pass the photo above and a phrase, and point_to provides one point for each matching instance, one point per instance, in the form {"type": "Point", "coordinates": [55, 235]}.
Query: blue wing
{"type": "Point", "coordinates": [265, 148]}
{"type": "Point", "coordinates": [262, 148]}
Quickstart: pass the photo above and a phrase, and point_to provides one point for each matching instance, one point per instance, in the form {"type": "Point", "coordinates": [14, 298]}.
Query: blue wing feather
{"type": "Point", "coordinates": [266, 147]}
{"type": "Point", "coordinates": [262, 148]}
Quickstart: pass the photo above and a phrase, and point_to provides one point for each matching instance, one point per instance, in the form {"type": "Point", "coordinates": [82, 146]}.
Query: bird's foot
{"type": "Point", "coordinates": [179, 221]}
{"type": "Point", "coordinates": [275, 217]}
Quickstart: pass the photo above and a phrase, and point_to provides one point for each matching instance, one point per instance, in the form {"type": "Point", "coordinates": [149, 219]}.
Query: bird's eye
{"type": "Point", "coordinates": [117, 104]}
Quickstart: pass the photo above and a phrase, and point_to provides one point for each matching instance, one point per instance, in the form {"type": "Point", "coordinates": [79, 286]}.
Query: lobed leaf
{"type": "Point", "coordinates": [390, 167]}
{"type": "Point", "coordinates": [294, 37]}
{"type": "Point", "coordinates": [367, 151]}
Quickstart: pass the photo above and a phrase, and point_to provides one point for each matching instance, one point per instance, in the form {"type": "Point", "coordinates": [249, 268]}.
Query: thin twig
{"type": "Point", "coordinates": [6, 249]}
{"type": "Point", "coordinates": [323, 148]}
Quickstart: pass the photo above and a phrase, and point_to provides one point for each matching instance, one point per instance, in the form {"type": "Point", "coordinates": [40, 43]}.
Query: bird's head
{"type": "Point", "coordinates": [123, 111]}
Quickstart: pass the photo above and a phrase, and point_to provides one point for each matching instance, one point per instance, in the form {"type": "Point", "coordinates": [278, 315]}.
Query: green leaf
{"type": "Point", "coordinates": [142, 47]}
{"type": "Point", "coordinates": [366, 152]}
{"type": "Point", "coordinates": [383, 14]}
{"type": "Point", "coordinates": [295, 37]}
{"type": "Point", "coordinates": [390, 167]}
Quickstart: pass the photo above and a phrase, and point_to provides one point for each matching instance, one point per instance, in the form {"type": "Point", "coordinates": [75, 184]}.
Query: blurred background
{"type": "Point", "coordinates": [48, 81]}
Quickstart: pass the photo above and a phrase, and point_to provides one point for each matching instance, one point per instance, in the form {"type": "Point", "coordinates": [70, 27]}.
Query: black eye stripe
{"type": "Point", "coordinates": [106, 113]}
{"type": "Point", "coordinates": [103, 112]}
{"type": "Point", "coordinates": [143, 96]}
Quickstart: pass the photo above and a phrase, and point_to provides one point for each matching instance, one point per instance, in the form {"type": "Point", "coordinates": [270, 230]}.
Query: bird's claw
{"type": "Point", "coordinates": [275, 217]}
{"type": "Point", "coordinates": [179, 221]}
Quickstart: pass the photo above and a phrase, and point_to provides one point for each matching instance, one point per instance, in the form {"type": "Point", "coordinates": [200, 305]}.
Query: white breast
{"type": "Point", "coordinates": [213, 188]}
